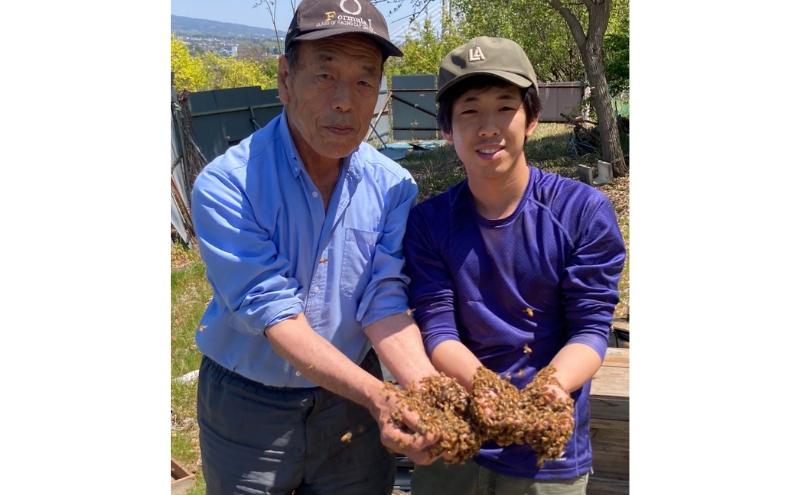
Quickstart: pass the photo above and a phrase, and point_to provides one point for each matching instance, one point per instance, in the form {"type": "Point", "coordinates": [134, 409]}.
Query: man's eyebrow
{"type": "Point", "coordinates": [324, 57]}
{"type": "Point", "coordinates": [506, 95]}
{"type": "Point", "coordinates": [370, 69]}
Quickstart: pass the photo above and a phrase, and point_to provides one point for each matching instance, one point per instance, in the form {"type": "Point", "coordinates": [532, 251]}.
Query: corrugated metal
{"type": "Point", "coordinates": [558, 98]}
{"type": "Point", "coordinates": [180, 196]}
{"type": "Point", "coordinates": [224, 117]}
{"type": "Point", "coordinates": [381, 132]}
{"type": "Point", "coordinates": [409, 123]}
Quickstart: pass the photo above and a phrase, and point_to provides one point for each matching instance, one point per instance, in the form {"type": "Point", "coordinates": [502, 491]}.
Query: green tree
{"type": "Point", "coordinates": [542, 33]}
{"type": "Point", "coordinates": [423, 53]}
{"type": "Point", "coordinates": [616, 47]}
{"type": "Point", "coordinates": [190, 73]}
{"type": "Point", "coordinates": [229, 72]}
{"type": "Point", "coordinates": [590, 43]}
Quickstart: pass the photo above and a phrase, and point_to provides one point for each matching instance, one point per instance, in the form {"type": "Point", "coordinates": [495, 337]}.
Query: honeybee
{"type": "Point", "coordinates": [347, 436]}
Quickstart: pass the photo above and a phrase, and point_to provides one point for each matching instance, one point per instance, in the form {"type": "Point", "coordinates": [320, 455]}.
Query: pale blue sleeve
{"type": "Point", "coordinates": [242, 262]}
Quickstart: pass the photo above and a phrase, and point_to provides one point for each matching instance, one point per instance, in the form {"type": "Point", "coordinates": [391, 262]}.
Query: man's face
{"type": "Point", "coordinates": [489, 130]}
{"type": "Point", "coordinates": [330, 95]}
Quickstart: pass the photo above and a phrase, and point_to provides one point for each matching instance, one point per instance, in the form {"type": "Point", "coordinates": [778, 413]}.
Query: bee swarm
{"type": "Point", "coordinates": [496, 410]}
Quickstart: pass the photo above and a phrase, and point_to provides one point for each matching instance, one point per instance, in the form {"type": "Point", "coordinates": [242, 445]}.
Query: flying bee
{"type": "Point", "coordinates": [347, 436]}
{"type": "Point", "coordinates": [526, 349]}
{"type": "Point", "coordinates": [529, 311]}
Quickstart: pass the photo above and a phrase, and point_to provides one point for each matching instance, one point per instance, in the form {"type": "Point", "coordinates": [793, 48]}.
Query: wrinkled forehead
{"type": "Point", "coordinates": [344, 49]}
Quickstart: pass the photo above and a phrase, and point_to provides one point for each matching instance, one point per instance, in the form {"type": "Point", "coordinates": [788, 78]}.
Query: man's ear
{"type": "Point", "coordinates": [448, 136]}
{"type": "Point", "coordinates": [531, 127]}
{"type": "Point", "coordinates": [283, 77]}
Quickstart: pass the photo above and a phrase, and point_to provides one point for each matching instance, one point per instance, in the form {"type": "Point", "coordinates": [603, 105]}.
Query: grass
{"type": "Point", "coordinates": [190, 295]}
{"type": "Point", "coordinates": [434, 171]}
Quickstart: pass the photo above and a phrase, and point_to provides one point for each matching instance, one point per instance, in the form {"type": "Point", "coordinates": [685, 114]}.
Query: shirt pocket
{"type": "Point", "coordinates": [359, 248]}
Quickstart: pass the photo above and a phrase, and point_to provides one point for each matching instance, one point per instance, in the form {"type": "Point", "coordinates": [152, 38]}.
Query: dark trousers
{"type": "Point", "coordinates": [256, 439]}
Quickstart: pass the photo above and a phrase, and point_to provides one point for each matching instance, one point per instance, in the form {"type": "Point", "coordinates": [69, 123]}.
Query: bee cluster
{"type": "Point", "coordinates": [443, 408]}
{"type": "Point", "coordinates": [496, 410]}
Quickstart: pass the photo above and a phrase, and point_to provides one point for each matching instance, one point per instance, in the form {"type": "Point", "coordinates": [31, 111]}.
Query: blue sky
{"type": "Point", "coordinates": [242, 12]}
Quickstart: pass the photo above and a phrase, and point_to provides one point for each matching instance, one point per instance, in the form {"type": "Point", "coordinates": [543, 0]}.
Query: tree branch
{"type": "Point", "coordinates": [572, 21]}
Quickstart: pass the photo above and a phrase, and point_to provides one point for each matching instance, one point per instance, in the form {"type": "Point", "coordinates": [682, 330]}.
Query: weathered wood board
{"type": "Point", "coordinates": [610, 425]}
{"type": "Point", "coordinates": [182, 480]}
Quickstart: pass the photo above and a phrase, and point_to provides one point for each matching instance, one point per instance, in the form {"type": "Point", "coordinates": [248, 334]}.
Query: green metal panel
{"type": "Point", "coordinates": [226, 116]}
{"type": "Point", "coordinates": [412, 120]}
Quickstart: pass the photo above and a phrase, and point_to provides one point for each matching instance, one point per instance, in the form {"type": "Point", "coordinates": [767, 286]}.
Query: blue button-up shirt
{"type": "Point", "coordinates": [272, 251]}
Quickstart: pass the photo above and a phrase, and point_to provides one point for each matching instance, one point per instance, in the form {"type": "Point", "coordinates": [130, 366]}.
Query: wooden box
{"type": "Point", "coordinates": [610, 425]}
{"type": "Point", "coordinates": [182, 480]}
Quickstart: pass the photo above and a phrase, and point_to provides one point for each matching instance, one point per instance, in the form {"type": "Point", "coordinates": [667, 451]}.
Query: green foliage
{"type": "Point", "coordinates": [616, 47]}
{"type": "Point", "coordinates": [424, 52]}
{"type": "Point", "coordinates": [190, 74]}
{"type": "Point", "coordinates": [538, 29]}
{"type": "Point", "coordinates": [230, 72]}
{"type": "Point", "coordinates": [207, 71]}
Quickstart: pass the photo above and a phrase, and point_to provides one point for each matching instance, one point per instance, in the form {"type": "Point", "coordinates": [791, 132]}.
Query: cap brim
{"type": "Point", "coordinates": [515, 79]}
{"type": "Point", "coordinates": [386, 47]}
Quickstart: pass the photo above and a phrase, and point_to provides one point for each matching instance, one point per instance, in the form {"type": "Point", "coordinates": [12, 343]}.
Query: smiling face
{"type": "Point", "coordinates": [489, 129]}
{"type": "Point", "coordinates": [330, 95]}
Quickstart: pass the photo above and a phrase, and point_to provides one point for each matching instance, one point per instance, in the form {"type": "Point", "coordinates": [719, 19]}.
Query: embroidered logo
{"type": "Point", "coordinates": [476, 55]}
{"type": "Point", "coordinates": [341, 5]}
{"type": "Point", "coordinates": [329, 15]}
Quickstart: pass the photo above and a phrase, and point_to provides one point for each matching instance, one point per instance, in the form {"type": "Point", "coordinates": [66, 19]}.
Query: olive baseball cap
{"type": "Point", "coordinates": [317, 19]}
{"type": "Point", "coordinates": [498, 57]}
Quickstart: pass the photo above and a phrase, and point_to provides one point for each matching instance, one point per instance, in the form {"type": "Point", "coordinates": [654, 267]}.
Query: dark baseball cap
{"type": "Point", "coordinates": [498, 57]}
{"type": "Point", "coordinates": [317, 19]}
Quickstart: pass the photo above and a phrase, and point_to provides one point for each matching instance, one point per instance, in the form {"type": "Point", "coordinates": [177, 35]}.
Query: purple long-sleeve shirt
{"type": "Point", "coordinates": [545, 276]}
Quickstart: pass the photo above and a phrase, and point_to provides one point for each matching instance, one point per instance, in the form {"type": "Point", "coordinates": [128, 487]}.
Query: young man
{"type": "Point", "coordinates": [512, 269]}
{"type": "Point", "coordinates": [300, 227]}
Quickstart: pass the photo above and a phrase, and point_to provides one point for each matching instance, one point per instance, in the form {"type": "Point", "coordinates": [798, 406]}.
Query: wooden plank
{"type": "Point", "coordinates": [617, 357]}
{"type": "Point", "coordinates": [607, 434]}
{"type": "Point", "coordinates": [611, 382]}
{"type": "Point", "coordinates": [182, 480]}
{"type": "Point", "coordinates": [604, 486]}
{"type": "Point", "coordinates": [616, 408]}
{"type": "Point", "coordinates": [621, 324]}
{"type": "Point", "coordinates": [611, 386]}
{"type": "Point", "coordinates": [181, 487]}
{"type": "Point", "coordinates": [610, 448]}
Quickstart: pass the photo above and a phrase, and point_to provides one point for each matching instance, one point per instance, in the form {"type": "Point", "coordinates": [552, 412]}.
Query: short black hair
{"type": "Point", "coordinates": [444, 114]}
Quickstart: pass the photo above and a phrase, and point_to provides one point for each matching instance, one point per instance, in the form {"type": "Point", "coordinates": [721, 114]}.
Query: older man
{"type": "Point", "coordinates": [301, 228]}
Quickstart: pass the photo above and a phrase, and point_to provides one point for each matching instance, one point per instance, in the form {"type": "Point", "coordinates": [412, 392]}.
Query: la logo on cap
{"type": "Point", "coordinates": [476, 55]}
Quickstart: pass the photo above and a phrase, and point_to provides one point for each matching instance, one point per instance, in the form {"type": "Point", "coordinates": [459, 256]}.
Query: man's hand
{"type": "Point", "coordinates": [405, 437]}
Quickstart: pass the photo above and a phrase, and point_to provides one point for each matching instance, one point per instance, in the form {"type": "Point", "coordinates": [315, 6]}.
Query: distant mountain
{"type": "Point", "coordinates": [187, 26]}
